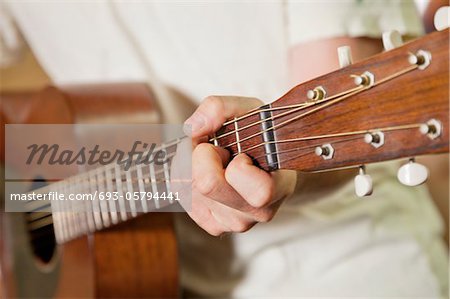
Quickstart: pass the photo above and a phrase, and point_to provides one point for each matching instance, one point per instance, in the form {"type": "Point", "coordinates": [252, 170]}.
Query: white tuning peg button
{"type": "Point", "coordinates": [392, 39]}
{"type": "Point", "coordinates": [442, 18]}
{"type": "Point", "coordinates": [345, 56]}
{"type": "Point", "coordinates": [363, 184]}
{"type": "Point", "coordinates": [412, 174]}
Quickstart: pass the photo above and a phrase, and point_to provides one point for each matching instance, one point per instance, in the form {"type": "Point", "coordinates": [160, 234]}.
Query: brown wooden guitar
{"type": "Point", "coordinates": [390, 106]}
{"type": "Point", "coordinates": [135, 259]}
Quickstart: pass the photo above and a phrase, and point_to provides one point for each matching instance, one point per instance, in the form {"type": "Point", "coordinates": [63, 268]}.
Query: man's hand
{"type": "Point", "coordinates": [230, 195]}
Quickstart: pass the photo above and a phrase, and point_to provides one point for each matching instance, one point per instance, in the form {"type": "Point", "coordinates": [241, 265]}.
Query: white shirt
{"type": "Point", "coordinates": [387, 245]}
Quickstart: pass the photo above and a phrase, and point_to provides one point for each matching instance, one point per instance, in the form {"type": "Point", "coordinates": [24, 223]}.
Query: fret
{"type": "Point", "coordinates": [135, 185]}
{"type": "Point", "coordinates": [111, 201]}
{"type": "Point", "coordinates": [122, 209]}
{"type": "Point", "coordinates": [80, 210]}
{"type": "Point", "coordinates": [95, 202]}
{"type": "Point", "coordinates": [57, 220]}
{"type": "Point", "coordinates": [67, 213]}
{"type": "Point", "coordinates": [76, 217]}
{"type": "Point", "coordinates": [87, 204]}
{"type": "Point", "coordinates": [148, 182]}
{"type": "Point", "coordinates": [71, 205]}
{"type": "Point", "coordinates": [131, 201]}
{"type": "Point", "coordinates": [153, 182]}
{"type": "Point", "coordinates": [161, 185]}
{"type": "Point", "coordinates": [63, 213]}
{"type": "Point", "coordinates": [167, 175]}
{"type": "Point", "coordinates": [103, 202]}
{"type": "Point", "coordinates": [141, 187]}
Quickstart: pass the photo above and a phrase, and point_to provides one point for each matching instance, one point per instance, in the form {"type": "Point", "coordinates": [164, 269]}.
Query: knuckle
{"type": "Point", "coordinates": [208, 184]}
{"type": "Point", "coordinates": [204, 221]}
{"type": "Point", "coordinates": [213, 232]}
{"type": "Point", "coordinates": [263, 195]}
{"type": "Point", "coordinates": [213, 102]}
{"type": "Point", "coordinates": [201, 148]}
{"type": "Point", "coordinates": [243, 226]}
{"type": "Point", "coordinates": [239, 163]}
{"type": "Point", "coordinates": [265, 215]}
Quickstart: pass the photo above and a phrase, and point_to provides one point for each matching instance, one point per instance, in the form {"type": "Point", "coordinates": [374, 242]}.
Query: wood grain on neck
{"type": "Point", "coordinates": [413, 97]}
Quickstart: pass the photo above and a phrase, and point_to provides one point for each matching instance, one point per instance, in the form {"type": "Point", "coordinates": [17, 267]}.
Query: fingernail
{"type": "Point", "coordinates": [193, 124]}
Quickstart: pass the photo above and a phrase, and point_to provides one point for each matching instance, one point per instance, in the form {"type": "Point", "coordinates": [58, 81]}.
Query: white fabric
{"type": "Point", "coordinates": [351, 18]}
{"type": "Point", "coordinates": [387, 245]}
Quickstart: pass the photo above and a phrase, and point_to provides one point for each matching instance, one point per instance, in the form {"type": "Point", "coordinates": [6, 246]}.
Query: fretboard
{"type": "Point", "coordinates": [105, 196]}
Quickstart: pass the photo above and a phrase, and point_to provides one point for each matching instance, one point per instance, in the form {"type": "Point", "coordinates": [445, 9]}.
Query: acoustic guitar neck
{"type": "Point", "coordinates": [392, 105]}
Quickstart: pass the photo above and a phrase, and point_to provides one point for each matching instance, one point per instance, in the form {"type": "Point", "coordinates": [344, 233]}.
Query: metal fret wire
{"type": "Point", "coordinates": [67, 221]}
{"type": "Point", "coordinates": [36, 205]}
{"type": "Point", "coordinates": [110, 166]}
{"type": "Point", "coordinates": [69, 228]}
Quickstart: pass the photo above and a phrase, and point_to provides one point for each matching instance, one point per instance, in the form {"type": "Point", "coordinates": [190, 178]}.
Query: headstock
{"type": "Point", "coordinates": [392, 105]}
{"type": "Point", "coordinates": [387, 98]}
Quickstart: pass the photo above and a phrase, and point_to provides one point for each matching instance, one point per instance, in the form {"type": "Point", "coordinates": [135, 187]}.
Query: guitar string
{"type": "Point", "coordinates": [50, 214]}
{"type": "Point", "coordinates": [68, 216]}
{"type": "Point", "coordinates": [388, 78]}
{"type": "Point", "coordinates": [300, 149]}
{"type": "Point", "coordinates": [257, 110]}
{"type": "Point", "coordinates": [38, 217]}
{"type": "Point", "coordinates": [389, 129]}
{"type": "Point", "coordinates": [112, 165]}
{"type": "Point", "coordinates": [301, 106]}
{"type": "Point", "coordinates": [293, 119]}
{"type": "Point", "coordinates": [356, 90]}
{"type": "Point", "coordinates": [385, 129]}
{"type": "Point", "coordinates": [298, 107]}
{"type": "Point", "coordinates": [42, 205]}
{"type": "Point", "coordinates": [307, 104]}
{"type": "Point", "coordinates": [43, 190]}
{"type": "Point", "coordinates": [34, 213]}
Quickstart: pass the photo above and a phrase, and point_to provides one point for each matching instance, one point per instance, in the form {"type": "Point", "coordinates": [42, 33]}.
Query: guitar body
{"type": "Point", "coordinates": [133, 259]}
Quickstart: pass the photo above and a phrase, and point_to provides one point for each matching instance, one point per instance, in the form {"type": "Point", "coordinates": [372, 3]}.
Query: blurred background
{"type": "Point", "coordinates": [188, 50]}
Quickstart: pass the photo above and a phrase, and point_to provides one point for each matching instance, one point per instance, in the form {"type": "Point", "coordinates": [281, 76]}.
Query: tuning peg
{"type": "Point", "coordinates": [392, 39]}
{"type": "Point", "coordinates": [363, 183]}
{"type": "Point", "coordinates": [442, 18]}
{"type": "Point", "coordinates": [345, 56]}
{"type": "Point", "coordinates": [412, 173]}
{"type": "Point", "coordinates": [432, 128]}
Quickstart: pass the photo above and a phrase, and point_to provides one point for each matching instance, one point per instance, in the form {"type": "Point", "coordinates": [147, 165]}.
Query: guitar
{"type": "Point", "coordinates": [137, 258]}
{"type": "Point", "coordinates": [393, 105]}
